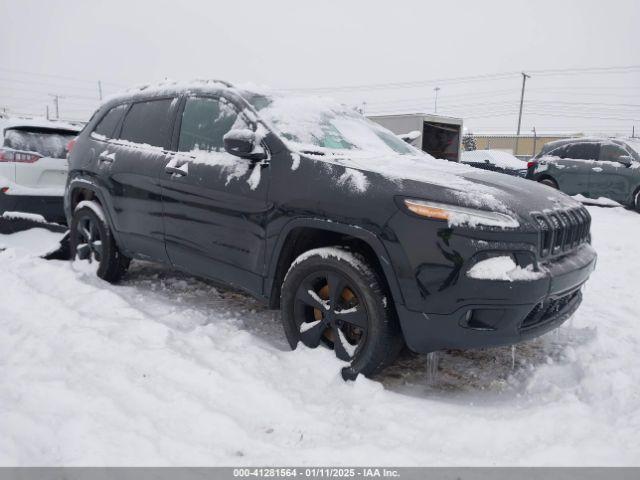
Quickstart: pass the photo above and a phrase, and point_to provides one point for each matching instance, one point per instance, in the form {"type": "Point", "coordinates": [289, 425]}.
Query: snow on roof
{"type": "Point", "coordinates": [496, 157]}
{"type": "Point", "coordinates": [169, 86]}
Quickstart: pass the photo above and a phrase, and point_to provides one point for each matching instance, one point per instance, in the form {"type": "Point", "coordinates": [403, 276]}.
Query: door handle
{"type": "Point", "coordinates": [107, 157]}
{"type": "Point", "coordinates": [175, 170]}
{"type": "Point", "coordinates": [180, 171]}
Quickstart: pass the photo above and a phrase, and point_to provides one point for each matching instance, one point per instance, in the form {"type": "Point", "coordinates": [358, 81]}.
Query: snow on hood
{"type": "Point", "coordinates": [496, 157]}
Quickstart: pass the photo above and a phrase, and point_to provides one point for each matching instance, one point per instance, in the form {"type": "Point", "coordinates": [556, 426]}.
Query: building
{"type": "Point", "coordinates": [438, 135]}
{"type": "Point", "coordinates": [528, 144]}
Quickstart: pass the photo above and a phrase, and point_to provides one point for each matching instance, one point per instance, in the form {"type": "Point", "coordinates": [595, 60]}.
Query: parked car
{"type": "Point", "coordinates": [496, 161]}
{"type": "Point", "coordinates": [33, 167]}
{"type": "Point", "coordinates": [364, 242]}
{"type": "Point", "coordinates": [592, 167]}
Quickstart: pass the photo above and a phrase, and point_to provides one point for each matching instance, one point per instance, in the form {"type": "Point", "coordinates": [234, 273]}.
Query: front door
{"type": "Point", "coordinates": [611, 176]}
{"type": "Point", "coordinates": [215, 204]}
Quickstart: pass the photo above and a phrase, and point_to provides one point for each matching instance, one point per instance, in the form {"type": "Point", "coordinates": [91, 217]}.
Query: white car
{"type": "Point", "coordinates": [33, 166]}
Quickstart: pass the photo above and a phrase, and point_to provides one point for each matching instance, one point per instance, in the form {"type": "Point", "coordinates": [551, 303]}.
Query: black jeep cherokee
{"type": "Point", "coordinates": [362, 241]}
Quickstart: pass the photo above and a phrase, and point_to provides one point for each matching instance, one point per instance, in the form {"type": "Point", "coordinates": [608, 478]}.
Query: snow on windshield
{"type": "Point", "coordinates": [320, 125]}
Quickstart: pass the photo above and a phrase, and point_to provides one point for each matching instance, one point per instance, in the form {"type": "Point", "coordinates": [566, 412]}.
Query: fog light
{"type": "Point", "coordinates": [482, 318]}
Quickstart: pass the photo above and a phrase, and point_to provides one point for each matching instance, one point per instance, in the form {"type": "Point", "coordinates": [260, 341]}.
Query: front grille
{"type": "Point", "coordinates": [548, 310]}
{"type": "Point", "coordinates": [562, 230]}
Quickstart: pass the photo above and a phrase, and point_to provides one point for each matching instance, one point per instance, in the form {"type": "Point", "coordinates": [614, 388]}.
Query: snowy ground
{"type": "Point", "coordinates": [168, 370]}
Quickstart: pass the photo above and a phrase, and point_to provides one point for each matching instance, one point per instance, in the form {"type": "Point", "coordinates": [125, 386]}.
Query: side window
{"type": "Point", "coordinates": [583, 151]}
{"type": "Point", "coordinates": [560, 152]}
{"type": "Point", "coordinates": [205, 122]}
{"type": "Point", "coordinates": [110, 121]}
{"type": "Point", "coordinates": [612, 153]}
{"type": "Point", "coordinates": [148, 122]}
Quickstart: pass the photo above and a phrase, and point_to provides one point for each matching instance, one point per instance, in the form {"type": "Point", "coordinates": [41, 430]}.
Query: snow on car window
{"type": "Point", "coordinates": [48, 143]}
{"type": "Point", "coordinates": [312, 122]}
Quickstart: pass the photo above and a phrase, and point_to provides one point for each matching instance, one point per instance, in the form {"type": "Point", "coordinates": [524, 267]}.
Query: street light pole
{"type": "Point", "coordinates": [524, 81]}
{"type": "Point", "coordinates": [435, 106]}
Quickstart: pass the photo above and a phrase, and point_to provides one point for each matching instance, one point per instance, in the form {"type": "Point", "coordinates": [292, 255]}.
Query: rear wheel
{"type": "Point", "coordinates": [91, 241]}
{"type": "Point", "coordinates": [332, 297]}
{"type": "Point", "coordinates": [549, 182]}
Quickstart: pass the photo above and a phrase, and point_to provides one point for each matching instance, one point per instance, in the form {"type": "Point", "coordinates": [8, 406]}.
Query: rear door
{"type": "Point", "coordinates": [215, 207]}
{"type": "Point", "coordinates": [611, 176]}
{"type": "Point", "coordinates": [131, 165]}
{"type": "Point", "coordinates": [574, 168]}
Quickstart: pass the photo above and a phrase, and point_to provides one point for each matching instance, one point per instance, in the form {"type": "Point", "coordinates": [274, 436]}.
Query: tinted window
{"type": "Point", "coordinates": [583, 151]}
{"type": "Point", "coordinates": [148, 122]}
{"type": "Point", "coordinates": [558, 152]}
{"type": "Point", "coordinates": [110, 121]}
{"type": "Point", "coordinates": [46, 142]}
{"type": "Point", "coordinates": [612, 153]}
{"type": "Point", "coordinates": [205, 122]}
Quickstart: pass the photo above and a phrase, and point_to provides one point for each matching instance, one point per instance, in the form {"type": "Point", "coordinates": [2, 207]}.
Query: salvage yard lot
{"type": "Point", "coordinates": [165, 369]}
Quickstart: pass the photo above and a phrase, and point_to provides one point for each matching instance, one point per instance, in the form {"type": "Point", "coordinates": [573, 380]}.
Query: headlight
{"type": "Point", "coordinates": [455, 215]}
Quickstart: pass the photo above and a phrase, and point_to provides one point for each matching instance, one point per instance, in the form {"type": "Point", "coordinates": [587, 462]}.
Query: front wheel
{"type": "Point", "coordinates": [332, 297]}
{"type": "Point", "coordinates": [91, 241]}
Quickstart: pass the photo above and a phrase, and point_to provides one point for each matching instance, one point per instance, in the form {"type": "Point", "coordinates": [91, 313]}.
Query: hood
{"type": "Point", "coordinates": [426, 178]}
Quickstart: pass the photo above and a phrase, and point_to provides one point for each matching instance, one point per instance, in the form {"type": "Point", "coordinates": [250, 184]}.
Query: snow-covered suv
{"type": "Point", "coordinates": [364, 242]}
{"type": "Point", "coordinates": [33, 166]}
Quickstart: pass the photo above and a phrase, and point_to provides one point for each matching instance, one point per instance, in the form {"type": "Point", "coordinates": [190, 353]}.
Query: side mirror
{"type": "Point", "coordinates": [409, 137]}
{"type": "Point", "coordinates": [625, 160]}
{"type": "Point", "coordinates": [244, 144]}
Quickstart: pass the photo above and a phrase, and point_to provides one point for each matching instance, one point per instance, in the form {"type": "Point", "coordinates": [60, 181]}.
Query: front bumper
{"type": "Point", "coordinates": [494, 313]}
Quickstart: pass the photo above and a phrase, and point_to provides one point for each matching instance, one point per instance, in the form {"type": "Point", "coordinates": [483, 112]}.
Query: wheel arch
{"type": "Point", "coordinates": [80, 189]}
{"type": "Point", "coordinates": [546, 176]}
{"type": "Point", "coordinates": [301, 235]}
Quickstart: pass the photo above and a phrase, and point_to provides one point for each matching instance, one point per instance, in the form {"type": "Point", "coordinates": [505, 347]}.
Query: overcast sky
{"type": "Point", "coordinates": [66, 46]}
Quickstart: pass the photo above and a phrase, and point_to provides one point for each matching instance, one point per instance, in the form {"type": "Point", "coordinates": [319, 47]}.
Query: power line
{"type": "Point", "coordinates": [75, 79]}
{"type": "Point", "coordinates": [494, 76]}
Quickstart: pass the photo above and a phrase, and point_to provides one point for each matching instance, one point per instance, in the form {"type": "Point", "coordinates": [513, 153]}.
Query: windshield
{"type": "Point", "coordinates": [48, 143]}
{"type": "Point", "coordinates": [319, 124]}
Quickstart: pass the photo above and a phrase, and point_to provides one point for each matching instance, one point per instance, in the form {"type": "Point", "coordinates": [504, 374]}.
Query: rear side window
{"type": "Point", "coordinates": [47, 142]}
{"type": "Point", "coordinates": [110, 121]}
{"type": "Point", "coordinates": [148, 122]}
{"type": "Point", "coordinates": [583, 151]}
{"type": "Point", "coordinates": [205, 122]}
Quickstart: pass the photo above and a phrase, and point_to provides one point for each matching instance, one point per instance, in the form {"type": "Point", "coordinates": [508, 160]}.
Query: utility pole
{"type": "Point", "coordinates": [535, 138]}
{"type": "Point", "coordinates": [47, 112]}
{"type": "Point", "coordinates": [435, 106]}
{"type": "Point", "coordinates": [100, 89]}
{"type": "Point", "coordinates": [633, 131]}
{"type": "Point", "coordinates": [524, 81]}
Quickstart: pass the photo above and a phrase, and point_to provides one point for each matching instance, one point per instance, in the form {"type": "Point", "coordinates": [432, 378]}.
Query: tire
{"type": "Point", "coordinates": [549, 182]}
{"type": "Point", "coordinates": [91, 241]}
{"type": "Point", "coordinates": [348, 310]}
{"type": "Point", "coordinates": [636, 201]}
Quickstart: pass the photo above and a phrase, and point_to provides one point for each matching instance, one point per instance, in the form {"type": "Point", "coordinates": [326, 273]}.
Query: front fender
{"type": "Point", "coordinates": [355, 231]}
